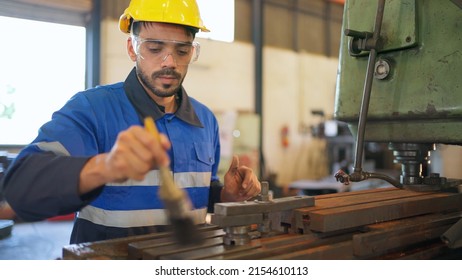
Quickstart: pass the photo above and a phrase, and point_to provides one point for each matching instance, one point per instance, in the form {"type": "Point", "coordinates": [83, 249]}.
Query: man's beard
{"type": "Point", "coordinates": [167, 90]}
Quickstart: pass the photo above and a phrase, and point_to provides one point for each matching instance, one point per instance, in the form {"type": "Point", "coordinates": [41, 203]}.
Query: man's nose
{"type": "Point", "coordinates": [168, 60]}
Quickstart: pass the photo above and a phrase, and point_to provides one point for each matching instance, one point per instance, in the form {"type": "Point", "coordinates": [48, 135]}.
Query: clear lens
{"type": "Point", "coordinates": [157, 51]}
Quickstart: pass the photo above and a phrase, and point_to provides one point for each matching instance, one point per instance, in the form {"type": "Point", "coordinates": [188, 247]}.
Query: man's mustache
{"type": "Point", "coordinates": [167, 72]}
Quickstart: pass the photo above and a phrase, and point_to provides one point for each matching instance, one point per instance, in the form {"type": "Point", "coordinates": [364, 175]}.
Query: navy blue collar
{"type": "Point", "coordinates": [145, 106]}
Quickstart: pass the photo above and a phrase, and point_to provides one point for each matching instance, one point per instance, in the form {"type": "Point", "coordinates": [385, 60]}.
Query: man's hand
{"type": "Point", "coordinates": [240, 184]}
{"type": "Point", "coordinates": [134, 154]}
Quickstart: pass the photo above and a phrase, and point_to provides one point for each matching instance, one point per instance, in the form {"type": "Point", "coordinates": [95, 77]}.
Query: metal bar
{"type": "Point", "coordinates": [254, 207]}
{"type": "Point", "coordinates": [362, 198]}
{"type": "Point", "coordinates": [411, 232]}
{"type": "Point", "coordinates": [367, 89]}
{"type": "Point", "coordinates": [346, 217]}
{"type": "Point", "coordinates": [348, 199]}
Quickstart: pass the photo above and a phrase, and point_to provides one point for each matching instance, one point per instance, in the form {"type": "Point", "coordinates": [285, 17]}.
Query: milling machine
{"type": "Point", "coordinates": [406, 52]}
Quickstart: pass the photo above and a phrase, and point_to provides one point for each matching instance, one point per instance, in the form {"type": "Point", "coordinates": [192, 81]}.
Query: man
{"type": "Point", "coordinates": [95, 156]}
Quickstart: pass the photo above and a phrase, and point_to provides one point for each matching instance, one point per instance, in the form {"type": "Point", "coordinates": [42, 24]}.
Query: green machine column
{"type": "Point", "coordinates": [416, 94]}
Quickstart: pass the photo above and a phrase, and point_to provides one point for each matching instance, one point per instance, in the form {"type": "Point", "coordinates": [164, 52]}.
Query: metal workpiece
{"type": "Point", "coordinates": [263, 212]}
{"type": "Point", "coordinates": [257, 206]}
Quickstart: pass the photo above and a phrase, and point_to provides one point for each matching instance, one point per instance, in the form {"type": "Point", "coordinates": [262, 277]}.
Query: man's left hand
{"type": "Point", "coordinates": [240, 184]}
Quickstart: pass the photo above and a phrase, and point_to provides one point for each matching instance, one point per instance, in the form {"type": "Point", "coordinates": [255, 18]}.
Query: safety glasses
{"type": "Point", "coordinates": [157, 51]}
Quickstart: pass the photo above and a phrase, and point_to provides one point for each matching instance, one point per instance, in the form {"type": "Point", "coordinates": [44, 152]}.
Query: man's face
{"type": "Point", "coordinates": [161, 74]}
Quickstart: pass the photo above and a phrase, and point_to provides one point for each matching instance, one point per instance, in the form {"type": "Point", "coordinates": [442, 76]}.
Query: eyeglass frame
{"type": "Point", "coordinates": [138, 40]}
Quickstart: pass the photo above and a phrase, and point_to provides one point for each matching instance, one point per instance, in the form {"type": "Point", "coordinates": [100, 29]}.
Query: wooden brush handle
{"type": "Point", "coordinates": [168, 189]}
{"type": "Point", "coordinates": [150, 126]}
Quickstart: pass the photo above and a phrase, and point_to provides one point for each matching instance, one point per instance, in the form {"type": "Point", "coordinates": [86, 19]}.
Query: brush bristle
{"type": "Point", "coordinates": [186, 232]}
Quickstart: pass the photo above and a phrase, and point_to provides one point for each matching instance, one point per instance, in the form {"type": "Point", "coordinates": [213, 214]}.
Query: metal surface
{"type": "Point", "coordinates": [152, 248]}
{"type": "Point", "coordinates": [409, 225]}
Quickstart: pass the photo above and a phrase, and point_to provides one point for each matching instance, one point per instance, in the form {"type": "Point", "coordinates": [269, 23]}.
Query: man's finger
{"type": "Point", "coordinates": [234, 164]}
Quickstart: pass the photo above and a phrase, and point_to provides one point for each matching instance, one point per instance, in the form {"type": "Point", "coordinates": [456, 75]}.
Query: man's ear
{"type": "Point", "coordinates": [130, 49]}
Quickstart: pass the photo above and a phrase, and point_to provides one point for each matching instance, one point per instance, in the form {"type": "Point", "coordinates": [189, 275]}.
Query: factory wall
{"type": "Point", "coordinates": [223, 78]}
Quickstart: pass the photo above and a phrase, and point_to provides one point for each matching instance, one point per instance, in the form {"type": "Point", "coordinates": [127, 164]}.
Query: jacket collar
{"type": "Point", "coordinates": [145, 106]}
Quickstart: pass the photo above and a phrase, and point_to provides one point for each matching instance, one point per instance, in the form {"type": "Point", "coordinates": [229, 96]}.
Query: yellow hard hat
{"type": "Point", "coordinates": [184, 12]}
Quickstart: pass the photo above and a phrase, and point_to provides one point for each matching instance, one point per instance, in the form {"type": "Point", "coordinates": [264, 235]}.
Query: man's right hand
{"type": "Point", "coordinates": [133, 155]}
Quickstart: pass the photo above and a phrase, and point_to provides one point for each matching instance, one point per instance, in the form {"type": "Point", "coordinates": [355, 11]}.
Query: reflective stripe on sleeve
{"type": "Point", "coordinates": [54, 147]}
{"type": "Point", "coordinates": [183, 180]}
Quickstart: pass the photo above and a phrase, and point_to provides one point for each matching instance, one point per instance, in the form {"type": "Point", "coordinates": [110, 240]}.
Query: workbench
{"type": "Point", "coordinates": [385, 223]}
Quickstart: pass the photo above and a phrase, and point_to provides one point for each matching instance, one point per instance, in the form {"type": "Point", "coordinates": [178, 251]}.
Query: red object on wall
{"type": "Point", "coordinates": [285, 136]}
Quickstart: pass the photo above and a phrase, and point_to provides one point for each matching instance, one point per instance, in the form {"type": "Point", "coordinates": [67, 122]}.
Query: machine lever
{"type": "Point", "coordinates": [358, 174]}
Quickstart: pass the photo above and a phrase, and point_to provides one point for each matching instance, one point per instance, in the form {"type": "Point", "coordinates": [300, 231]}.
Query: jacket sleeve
{"type": "Point", "coordinates": [40, 186]}
{"type": "Point", "coordinates": [43, 180]}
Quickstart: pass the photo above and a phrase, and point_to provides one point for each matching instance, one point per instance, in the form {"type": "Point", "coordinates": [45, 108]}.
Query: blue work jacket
{"type": "Point", "coordinates": [43, 180]}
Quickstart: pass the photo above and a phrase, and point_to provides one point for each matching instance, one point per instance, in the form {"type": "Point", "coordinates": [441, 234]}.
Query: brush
{"type": "Point", "coordinates": [176, 201]}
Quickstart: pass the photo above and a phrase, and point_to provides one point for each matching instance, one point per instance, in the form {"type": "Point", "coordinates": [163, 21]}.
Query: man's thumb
{"type": "Point", "coordinates": [234, 164]}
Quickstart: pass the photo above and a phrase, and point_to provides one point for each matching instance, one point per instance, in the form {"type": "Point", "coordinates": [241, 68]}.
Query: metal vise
{"type": "Point", "coordinates": [236, 218]}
